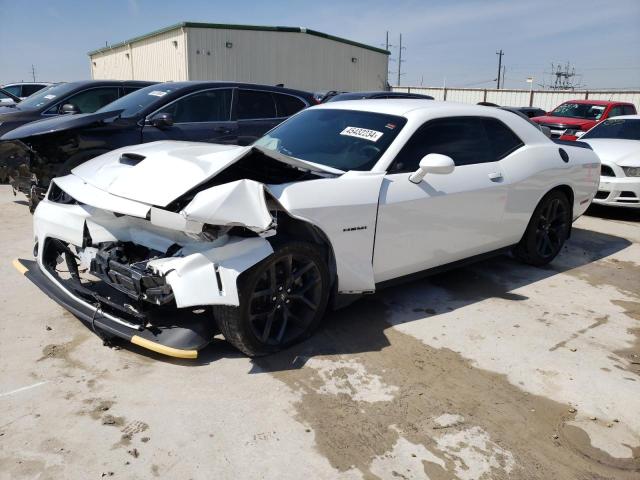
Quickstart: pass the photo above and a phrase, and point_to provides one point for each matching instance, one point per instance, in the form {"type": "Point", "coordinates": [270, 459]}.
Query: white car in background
{"type": "Point", "coordinates": [163, 243]}
{"type": "Point", "coordinates": [617, 142]}
{"type": "Point", "coordinates": [23, 90]}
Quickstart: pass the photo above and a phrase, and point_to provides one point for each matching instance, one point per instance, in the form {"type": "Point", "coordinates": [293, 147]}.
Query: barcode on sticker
{"type": "Point", "coordinates": [363, 133]}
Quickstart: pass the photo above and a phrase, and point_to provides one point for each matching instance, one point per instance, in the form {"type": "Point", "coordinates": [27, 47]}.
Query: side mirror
{"type": "Point", "coordinates": [433, 163]}
{"type": "Point", "coordinates": [545, 130]}
{"type": "Point", "coordinates": [161, 120]}
{"type": "Point", "coordinates": [68, 109]}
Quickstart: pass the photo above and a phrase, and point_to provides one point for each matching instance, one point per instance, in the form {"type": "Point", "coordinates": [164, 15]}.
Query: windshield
{"type": "Point", "coordinates": [579, 110]}
{"type": "Point", "coordinates": [47, 96]}
{"type": "Point", "coordinates": [621, 128]}
{"type": "Point", "coordinates": [136, 102]}
{"type": "Point", "coordinates": [342, 139]}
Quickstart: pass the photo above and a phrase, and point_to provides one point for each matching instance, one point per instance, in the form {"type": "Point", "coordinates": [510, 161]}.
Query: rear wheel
{"type": "Point", "coordinates": [547, 231]}
{"type": "Point", "coordinates": [282, 300]}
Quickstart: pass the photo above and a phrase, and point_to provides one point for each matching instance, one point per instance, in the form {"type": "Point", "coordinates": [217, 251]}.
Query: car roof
{"type": "Point", "coordinates": [135, 83]}
{"type": "Point", "coordinates": [402, 106]}
{"type": "Point", "coordinates": [598, 102]}
{"type": "Point", "coordinates": [194, 85]}
{"type": "Point", "coordinates": [25, 83]}
{"type": "Point", "coordinates": [626, 117]}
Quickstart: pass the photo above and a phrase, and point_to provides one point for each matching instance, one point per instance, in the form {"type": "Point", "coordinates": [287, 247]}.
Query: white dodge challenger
{"type": "Point", "coordinates": [167, 244]}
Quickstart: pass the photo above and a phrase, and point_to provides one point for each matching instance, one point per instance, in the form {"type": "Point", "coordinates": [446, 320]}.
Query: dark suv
{"type": "Point", "coordinates": [65, 98]}
{"type": "Point", "coordinates": [218, 112]}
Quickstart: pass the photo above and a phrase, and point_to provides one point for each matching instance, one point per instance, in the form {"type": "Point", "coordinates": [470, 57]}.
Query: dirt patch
{"type": "Point", "coordinates": [631, 354]}
{"type": "Point", "coordinates": [63, 352]}
{"type": "Point", "coordinates": [578, 440]}
{"type": "Point", "coordinates": [622, 275]}
{"type": "Point", "coordinates": [519, 431]}
{"type": "Point", "coordinates": [599, 321]}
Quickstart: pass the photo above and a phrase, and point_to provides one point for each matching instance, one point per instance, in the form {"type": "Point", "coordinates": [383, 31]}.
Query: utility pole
{"type": "Point", "coordinates": [400, 48]}
{"type": "Point", "coordinates": [33, 72]}
{"type": "Point", "coordinates": [500, 54]}
{"type": "Point", "coordinates": [504, 68]}
{"type": "Point", "coordinates": [387, 46]}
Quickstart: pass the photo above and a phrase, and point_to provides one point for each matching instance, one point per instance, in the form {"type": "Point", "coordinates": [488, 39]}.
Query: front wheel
{"type": "Point", "coordinates": [282, 300]}
{"type": "Point", "coordinates": [547, 231]}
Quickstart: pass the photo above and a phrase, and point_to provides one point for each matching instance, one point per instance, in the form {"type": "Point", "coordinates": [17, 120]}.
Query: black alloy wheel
{"type": "Point", "coordinates": [282, 300]}
{"type": "Point", "coordinates": [547, 231]}
{"type": "Point", "coordinates": [285, 300]}
{"type": "Point", "coordinates": [552, 228]}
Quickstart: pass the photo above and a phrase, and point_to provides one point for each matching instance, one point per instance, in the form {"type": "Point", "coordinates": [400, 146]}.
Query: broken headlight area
{"type": "Point", "coordinates": [115, 277]}
{"type": "Point", "coordinates": [57, 195]}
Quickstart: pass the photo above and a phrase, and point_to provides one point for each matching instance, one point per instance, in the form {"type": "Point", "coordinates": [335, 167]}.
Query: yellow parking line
{"type": "Point", "coordinates": [163, 349]}
{"type": "Point", "coordinates": [19, 266]}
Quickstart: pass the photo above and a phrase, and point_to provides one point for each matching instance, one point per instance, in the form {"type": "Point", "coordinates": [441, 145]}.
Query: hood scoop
{"type": "Point", "coordinates": [131, 159]}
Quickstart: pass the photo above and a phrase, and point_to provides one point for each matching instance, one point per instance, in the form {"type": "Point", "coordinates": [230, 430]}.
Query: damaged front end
{"type": "Point", "coordinates": [151, 271]}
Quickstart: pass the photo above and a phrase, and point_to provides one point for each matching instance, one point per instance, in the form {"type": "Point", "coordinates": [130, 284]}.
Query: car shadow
{"type": "Point", "coordinates": [21, 202]}
{"type": "Point", "coordinates": [361, 326]}
{"type": "Point", "coordinates": [613, 213]}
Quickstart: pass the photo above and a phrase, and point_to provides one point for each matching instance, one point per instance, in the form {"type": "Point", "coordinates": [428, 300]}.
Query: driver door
{"type": "Point", "coordinates": [203, 116]}
{"type": "Point", "coordinates": [446, 217]}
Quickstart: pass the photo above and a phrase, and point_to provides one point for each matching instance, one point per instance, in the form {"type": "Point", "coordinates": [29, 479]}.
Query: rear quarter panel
{"type": "Point", "coordinates": [538, 169]}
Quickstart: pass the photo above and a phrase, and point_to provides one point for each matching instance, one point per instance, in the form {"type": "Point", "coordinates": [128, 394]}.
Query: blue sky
{"type": "Point", "coordinates": [452, 40]}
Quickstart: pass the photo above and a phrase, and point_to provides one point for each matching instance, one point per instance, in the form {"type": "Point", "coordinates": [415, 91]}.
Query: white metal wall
{"type": "Point", "coordinates": [297, 60]}
{"type": "Point", "coordinates": [155, 58]}
{"type": "Point", "coordinates": [111, 65]}
{"type": "Point", "coordinates": [546, 100]}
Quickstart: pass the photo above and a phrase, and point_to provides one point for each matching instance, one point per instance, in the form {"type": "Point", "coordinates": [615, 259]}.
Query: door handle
{"type": "Point", "coordinates": [224, 130]}
{"type": "Point", "coordinates": [495, 177]}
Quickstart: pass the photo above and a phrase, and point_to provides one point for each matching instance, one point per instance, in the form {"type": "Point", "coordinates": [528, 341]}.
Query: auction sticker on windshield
{"type": "Point", "coordinates": [158, 93]}
{"type": "Point", "coordinates": [363, 133]}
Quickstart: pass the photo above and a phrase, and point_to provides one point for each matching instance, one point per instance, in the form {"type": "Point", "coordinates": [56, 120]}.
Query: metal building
{"type": "Point", "coordinates": [296, 57]}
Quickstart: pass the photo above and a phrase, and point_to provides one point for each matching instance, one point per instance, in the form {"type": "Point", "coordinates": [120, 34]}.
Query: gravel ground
{"type": "Point", "coordinates": [498, 370]}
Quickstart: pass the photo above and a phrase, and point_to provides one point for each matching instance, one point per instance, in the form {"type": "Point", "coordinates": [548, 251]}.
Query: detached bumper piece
{"type": "Point", "coordinates": [113, 312]}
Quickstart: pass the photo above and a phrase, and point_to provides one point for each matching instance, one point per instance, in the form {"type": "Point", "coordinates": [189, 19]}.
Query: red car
{"type": "Point", "coordinates": [571, 119]}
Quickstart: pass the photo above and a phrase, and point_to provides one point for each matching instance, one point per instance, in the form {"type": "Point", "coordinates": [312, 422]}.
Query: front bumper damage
{"type": "Point", "coordinates": [149, 281]}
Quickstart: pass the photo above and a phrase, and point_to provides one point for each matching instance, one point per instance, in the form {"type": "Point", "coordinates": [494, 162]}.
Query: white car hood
{"type": "Point", "coordinates": [612, 150]}
{"type": "Point", "coordinates": [168, 170]}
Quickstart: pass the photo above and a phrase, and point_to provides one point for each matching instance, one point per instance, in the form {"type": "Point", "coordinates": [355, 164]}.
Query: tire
{"type": "Point", "coordinates": [547, 231]}
{"type": "Point", "coordinates": [282, 300]}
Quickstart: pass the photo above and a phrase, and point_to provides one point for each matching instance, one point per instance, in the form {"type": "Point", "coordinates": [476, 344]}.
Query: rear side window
{"type": "Point", "coordinates": [30, 89]}
{"type": "Point", "coordinates": [616, 111]}
{"type": "Point", "coordinates": [503, 141]}
{"type": "Point", "coordinates": [461, 138]}
{"type": "Point", "coordinates": [254, 104]}
{"type": "Point", "coordinates": [287, 105]}
{"type": "Point", "coordinates": [629, 110]}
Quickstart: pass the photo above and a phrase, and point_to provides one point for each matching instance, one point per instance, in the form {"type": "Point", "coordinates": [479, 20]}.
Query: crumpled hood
{"type": "Point", "coordinates": [574, 122]}
{"type": "Point", "coordinates": [157, 173]}
{"type": "Point", "coordinates": [165, 170]}
{"type": "Point", "coordinates": [59, 123]}
{"type": "Point", "coordinates": [621, 152]}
